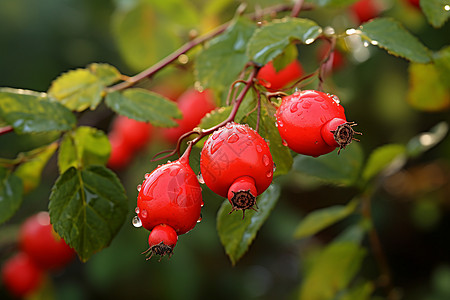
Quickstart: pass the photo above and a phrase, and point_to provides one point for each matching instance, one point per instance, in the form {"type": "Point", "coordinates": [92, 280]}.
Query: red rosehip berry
{"type": "Point", "coordinates": [236, 163]}
{"type": "Point", "coordinates": [194, 105]}
{"type": "Point", "coordinates": [162, 240]}
{"type": "Point", "coordinates": [42, 244]}
{"type": "Point", "coordinates": [121, 153]}
{"type": "Point", "coordinates": [313, 123]}
{"type": "Point", "coordinates": [170, 195]}
{"type": "Point", "coordinates": [136, 134]}
{"type": "Point", "coordinates": [20, 275]}
{"type": "Point", "coordinates": [365, 10]}
{"type": "Point", "coordinates": [273, 80]}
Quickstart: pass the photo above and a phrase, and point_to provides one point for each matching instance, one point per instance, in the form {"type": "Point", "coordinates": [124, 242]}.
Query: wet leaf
{"type": "Point", "coordinates": [87, 208]}
{"type": "Point", "coordinates": [11, 190]}
{"type": "Point", "coordinates": [237, 234]}
{"type": "Point", "coordinates": [270, 40]}
{"type": "Point", "coordinates": [32, 112]}
{"type": "Point", "coordinates": [382, 159]}
{"type": "Point", "coordinates": [143, 105]}
{"type": "Point", "coordinates": [390, 35]}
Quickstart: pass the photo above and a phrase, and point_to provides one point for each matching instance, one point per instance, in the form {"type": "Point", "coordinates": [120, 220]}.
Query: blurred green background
{"type": "Point", "coordinates": [42, 39]}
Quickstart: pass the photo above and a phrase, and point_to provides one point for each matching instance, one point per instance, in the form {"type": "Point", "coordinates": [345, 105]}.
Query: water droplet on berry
{"type": "Point", "coordinates": [258, 148]}
{"type": "Point", "coordinates": [274, 167]}
{"type": "Point", "coordinates": [228, 126]}
{"type": "Point", "coordinates": [202, 204]}
{"type": "Point", "coordinates": [216, 134]}
{"type": "Point", "coordinates": [269, 173]}
{"type": "Point", "coordinates": [233, 138]}
{"type": "Point", "coordinates": [284, 142]}
{"type": "Point", "coordinates": [266, 160]}
{"type": "Point", "coordinates": [136, 222]}
{"type": "Point", "coordinates": [168, 161]}
{"type": "Point", "coordinates": [136, 210]}
{"type": "Point", "coordinates": [294, 107]}
{"type": "Point", "coordinates": [280, 124]}
{"type": "Point", "coordinates": [147, 175]}
{"type": "Point", "coordinates": [200, 178]}
{"type": "Point", "coordinates": [241, 130]}
{"type": "Point", "coordinates": [216, 146]}
{"type": "Point", "coordinates": [306, 104]}
{"type": "Point", "coordinates": [139, 187]}
{"type": "Point", "coordinates": [200, 218]}
{"type": "Point", "coordinates": [267, 141]}
{"type": "Point", "coordinates": [324, 106]}
{"type": "Point", "coordinates": [336, 99]}
{"type": "Point", "coordinates": [276, 124]}
{"type": "Point", "coordinates": [144, 213]}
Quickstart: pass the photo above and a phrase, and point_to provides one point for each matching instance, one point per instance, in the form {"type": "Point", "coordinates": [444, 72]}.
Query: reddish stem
{"type": "Point", "coordinates": [5, 129]}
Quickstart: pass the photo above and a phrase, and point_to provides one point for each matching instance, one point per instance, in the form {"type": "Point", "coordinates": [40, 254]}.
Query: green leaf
{"type": "Point", "coordinates": [31, 112]}
{"type": "Point", "coordinates": [77, 90]}
{"type": "Point", "coordinates": [435, 11]}
{"type": "Point", "coordinates": [428, 91]}
{"type": "Point", "coordinates": [270, 40]}
{"type": "Point", "coordinates": [340, 169]}
{"type": "Point", "coordinates": [143, 105]}
{"type": "Point", "coordinates": [87, 208]}
{"type": "Point", "coordinates": [427, 140]}
{"type": "Point", "coordinates": [390, 35]}
{"type": "Point", "coordinates": [236, 234]}
{"type": "Point", "coordinates": [382, 158]}
{"type": "Point", "coordinates": [289, 55]}
{"type": "Point", "coordinates": [220, 62]}
{"type": "Point", "coordinates": [362, 291]}
{"type": "Point", "coordinates": [11, 190]}
{"type": "Point", "coordinates": [107, 74]}
{"type": "Point", "coordinates": [333, 270]}
{"type": "Point", "coordinates": [442, 62]}
{"type": "Point", "coordinates": [84, 147]}
{"type": "Point", "coordinates": [31, 170]}
{"type": "Point", "coordinates": [323, 218]}
{"type": "Point", "coordinates": [150, 30]}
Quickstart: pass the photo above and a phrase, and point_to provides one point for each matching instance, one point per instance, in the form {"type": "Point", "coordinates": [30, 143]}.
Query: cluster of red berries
{"type": "Point", "coordinates": [40, 250]}
{"type": "Point", "coordinates": [127, 136]}
{"type": "Point", "coordinates": [236, 163]}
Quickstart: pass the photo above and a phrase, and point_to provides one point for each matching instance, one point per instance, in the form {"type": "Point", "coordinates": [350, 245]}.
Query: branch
{"type": "Point", "coordinates": [5, 129]}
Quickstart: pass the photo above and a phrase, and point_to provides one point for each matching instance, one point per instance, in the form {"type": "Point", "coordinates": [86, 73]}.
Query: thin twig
{"type": "Point", "coordinates": [297, 8]}
{"type": "Point", "coordinates": [6, 129]}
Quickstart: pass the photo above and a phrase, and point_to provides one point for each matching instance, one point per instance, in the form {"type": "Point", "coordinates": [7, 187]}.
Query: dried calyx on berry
{"type": "Point", "coordinates": [236, 163]}
{"type": "Point", "coordinates": [161, 241]}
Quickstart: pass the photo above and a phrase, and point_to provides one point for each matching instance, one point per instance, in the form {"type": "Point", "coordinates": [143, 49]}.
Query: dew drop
{"type": "Point", "coordinates": [324, 106]}
{"type": "Point", "coordinates": [276, 124]}
{"type": "Point", "coordinates": [241, 129]}
{"type": "Point", "coordinates": [280, 124]}
{"type": "Point", "coordinates": [169, 161]}
{"type": "Point", "coordinates": [366, 44]}
{"type": "Point", "coordinates": [306, 104]}
{"type": "Point", "coordinates": [294, 107]}
{"type": "Point", "coordinates": [233, 138]}
{"type": "Point", "coordinates": [216, 135]}
{"type": "Point", "coordinates": [274, 167]}
{"type": "Point", "coordinates": [258, 148]}
{"type": "Point", "coordinates": [336, 99]}
{"type": "Point", "coordinates": [139, 187]}
{"type": "Point", "coordinates": [216, 146]}
{"type": "Point", "coordinates": [267, 141]}
{"type": "Point", "coordinates": [266, 160]}
{"type": "Point", "coordinates": [200, 178]}
{"type": "Point", "coordinates": [200, 218]}
{"type": "Point", "coordinates": [136, 210]}
{"type": "Point", "coordinates": [284, 142]}
{"type": "Point", "coordinates": [144, 213]}
{"type": "Point", "coordinates": [136, 222]}
{"type": "Point", "coordinates": [269, 173]}
{"type": "Point", "coordinates": [228, 126]}
{"type": "Point", "coordinates": [147, 175]}
{"type": "Point", "coordinates": [202, 204]}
